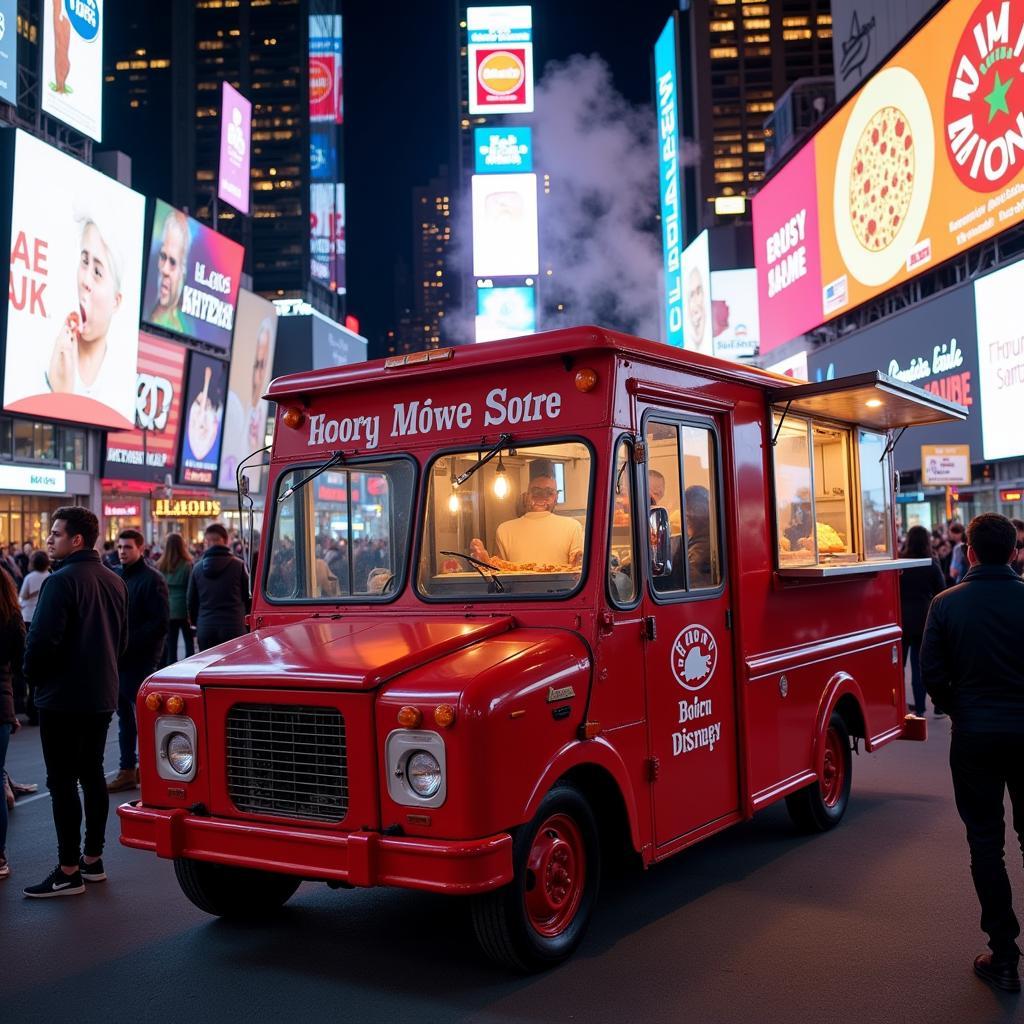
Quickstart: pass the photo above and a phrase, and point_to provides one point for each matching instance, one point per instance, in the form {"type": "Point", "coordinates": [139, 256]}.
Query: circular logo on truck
{"type": "Point", "coordinates": [694, 657]}
{"type": "Point", "coordinates": [501, 73]}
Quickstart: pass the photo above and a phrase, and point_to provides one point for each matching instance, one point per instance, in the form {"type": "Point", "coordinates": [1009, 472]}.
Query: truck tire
{"type": "Point", "coordinates": [821, 805]}
{"type": "Point", "coordinates": [239, 893]}
{"type": "Point", "coordinates": [539, 918]}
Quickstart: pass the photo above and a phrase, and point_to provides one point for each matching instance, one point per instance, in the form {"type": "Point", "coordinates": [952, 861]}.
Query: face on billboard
{"type": "Point", "coordinates": [252, 357]}
{"type": "Point", "coordinates": [505, 313]}
{"type": "Point", "coordinates": [71, 86]}
{"type": "Point", "coordinates": [503, 150]}
{"type": "Point", "coordinates": [150, 457]}
{"type": "Point", "coordinates": [73, 297]}
{"type": "Point", "coordinates": [505, 225]}
{"type": "Point", "coordinates": [235, 122]}
{"type": "Point", "coordinates": [670, 191]}
{"type": "Point", "coordinates": [734, 312]}
{"type": "Point", "coordinates": [500, 54]}
{"type": "Point", "coordinates": [202, 423]}
{"type": "Point", "coordinates": [191, 279]}
{"type": "Point", "coordinates": [696, 276]}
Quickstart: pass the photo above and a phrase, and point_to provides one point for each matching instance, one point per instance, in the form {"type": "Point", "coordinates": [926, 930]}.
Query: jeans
{"type": "Point", "coordinates": [984, 766]}
{"type": "Point", "coordinates": [73, 745]}
{"type": "Point", "coordinates": [127, 729]}
{"type": "Point", "coordinates": [176, 626]}
{"type": "Point", "coordinates": [5, 738]}
{"type": "Point", "coordinates": [211, 636]}
{"type": "Point", "coordinates": [912, 648]}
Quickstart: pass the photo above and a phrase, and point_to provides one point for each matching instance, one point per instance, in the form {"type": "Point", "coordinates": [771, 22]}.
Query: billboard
{"type": "Point", "coordinates": [73, 292]}
{"type": "Point", "coordinates": [500, 55]}
{"type": "Point", "coordinates": [933, 345]}
{"type": "Point", "coordinates": [666, 88]}
{"type": "Point", "coordinates": [149, 452]}
{"type": "Point", "coordinates": [734, 313]}
{"type": "Point", "coordinates": [695, 271]}
{"type": "Point", "coordinates": [9, 50]}
{"type": "Point", "coordinates": [71, 86]}
{"type": "Point", "coordinates": [252, 359]}
{"type": "Point", "coordinates": [235, 132]}
{"type": "Point", "coordinates": [500, 150]}
{"type": "Point", "coordinates": [505, 225]}
{"type": "Point", "coordinates": [924, 162]}
{"type": "Point", "coordinates": [327, 234]}
{"type": "Point", "coordinates": [191, 278]}
{"type": "Point", "coordinates": [202, 425]}
{"type": "Point", "coordinates": [505, 313]}
{"type": "Point", "coordinates": [325, 81]}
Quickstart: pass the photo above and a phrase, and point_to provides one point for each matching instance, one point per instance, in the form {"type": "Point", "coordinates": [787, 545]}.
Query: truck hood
{"type": "Point", "coordinates": [335, 654]}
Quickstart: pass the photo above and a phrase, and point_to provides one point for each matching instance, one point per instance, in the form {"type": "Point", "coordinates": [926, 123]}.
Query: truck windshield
{"type": "Point", "coordinates": [517, 526]}
{"type": "Point", "coordinates": [344, 535]}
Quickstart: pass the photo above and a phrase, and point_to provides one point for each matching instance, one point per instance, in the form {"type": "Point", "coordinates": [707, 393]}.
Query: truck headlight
{"type": "Point", "coordinates": [424, 773]}
{"type": "Point", "coordinates": [180, 755]}
{"type": "Point", "coordinates": [416, 767]}
{"type": "Point", "coordinates": [177, 748]}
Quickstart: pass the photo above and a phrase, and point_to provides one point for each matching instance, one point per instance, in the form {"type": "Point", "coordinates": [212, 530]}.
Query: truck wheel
{"type": "Point", "coordinates": [821, 805]}
{"type": "Point", "coordinates": [539, 918]}
{"type": "Point", "coordinates": [226, 891]}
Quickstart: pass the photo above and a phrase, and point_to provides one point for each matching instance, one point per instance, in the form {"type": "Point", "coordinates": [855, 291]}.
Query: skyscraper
{"type": "Point", "coordinates": [431, 271]}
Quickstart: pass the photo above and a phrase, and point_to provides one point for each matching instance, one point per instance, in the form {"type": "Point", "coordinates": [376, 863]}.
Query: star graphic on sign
{"type": "Point", "coordinates": [996, 99]}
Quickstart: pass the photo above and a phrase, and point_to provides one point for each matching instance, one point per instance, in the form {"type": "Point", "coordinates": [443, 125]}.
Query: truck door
{"type": "Point", "coordinates": [691, 701]}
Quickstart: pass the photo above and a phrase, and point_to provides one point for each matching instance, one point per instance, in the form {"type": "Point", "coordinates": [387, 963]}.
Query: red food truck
{"type": "Point", "coordinates": [524, 606]}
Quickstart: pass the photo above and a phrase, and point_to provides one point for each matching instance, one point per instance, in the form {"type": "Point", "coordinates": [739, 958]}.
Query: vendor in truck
{"type": "Point", "coordinates": [539, 535]}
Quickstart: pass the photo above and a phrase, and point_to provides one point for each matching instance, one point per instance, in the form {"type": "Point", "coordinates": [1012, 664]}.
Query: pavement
{"type": "Point", "coordinates": [875, 921]}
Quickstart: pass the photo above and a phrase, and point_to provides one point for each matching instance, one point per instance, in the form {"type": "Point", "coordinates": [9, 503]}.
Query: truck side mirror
{"type": "Point", "coordinates": [661, 564]}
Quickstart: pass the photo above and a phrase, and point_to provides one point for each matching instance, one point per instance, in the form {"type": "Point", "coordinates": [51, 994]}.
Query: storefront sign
{"type": "Point", "coordinates": [186, 508]}
{"type": "Point", "coordinates": [33, 478]}
{"type": "Point", "coordinates": [945, 464]}
{"type": "Point", "coordinates": [1010, 496]}
{"type": "Point", "coordinates": [121, 510]}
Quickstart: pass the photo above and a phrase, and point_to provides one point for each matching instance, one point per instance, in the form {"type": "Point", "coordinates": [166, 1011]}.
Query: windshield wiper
{"type": "Point", "coordinates": [477, 563]}
{"type": "Point", "coordinates": [335, 460]}
{"type": "Point", "coordinates": [503, 439]}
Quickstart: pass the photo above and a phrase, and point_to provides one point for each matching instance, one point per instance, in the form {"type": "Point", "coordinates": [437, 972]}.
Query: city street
{"type": "Point", "coordinates": [875, 921]}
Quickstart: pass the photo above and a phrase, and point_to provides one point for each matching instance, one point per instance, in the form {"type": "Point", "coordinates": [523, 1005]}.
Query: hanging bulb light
{"type": "Point", "coordinates": [453, 499]}
{"type": "Point", "coordinates": [501, 487]}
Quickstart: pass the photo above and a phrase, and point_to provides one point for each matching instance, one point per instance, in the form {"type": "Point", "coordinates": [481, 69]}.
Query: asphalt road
{"type": "Point", "coordinates": [874, 921]}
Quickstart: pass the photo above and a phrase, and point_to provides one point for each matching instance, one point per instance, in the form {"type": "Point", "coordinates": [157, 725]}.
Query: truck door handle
{"type": "Point", "coordinates": [650, 627]}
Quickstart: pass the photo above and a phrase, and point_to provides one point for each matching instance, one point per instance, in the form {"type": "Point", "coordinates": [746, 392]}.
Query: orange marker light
{"type": "Point", "coordinates": [444, 715]}
{"type": "Point", "coordinates": [293, 418]}
{"type": "Point", "coordinates": [586, 379]}
{"type": "Point", "coordinates": [410, 718]}
{"type": "Point", "coordinates": [175, 705]}
{"type": "Point", "coordinates": [153, 701]}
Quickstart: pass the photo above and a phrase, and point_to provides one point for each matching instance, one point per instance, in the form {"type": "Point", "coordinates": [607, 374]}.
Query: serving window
{"type": "Point", "coordinates": [833, 493]}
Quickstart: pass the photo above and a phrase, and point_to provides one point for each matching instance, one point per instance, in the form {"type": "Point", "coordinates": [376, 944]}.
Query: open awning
{"type": "Point", "coordinates": [872, 400]}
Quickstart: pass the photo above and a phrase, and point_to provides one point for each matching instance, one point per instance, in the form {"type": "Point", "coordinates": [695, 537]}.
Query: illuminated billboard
{"type": "Point", "coordinates": [505, 225]}
{"type": "Point", "coordinates": [500, 55]}
{"type": "Point", "coordinates": [73, 294]}
{"type": "Point", "coordinates": [9, 50]}
{"type": "Point", "coordinates": [327, 234]}
{"type": "Point", "coordinates": [149, 452]}
{"type": "Point", "coordinates": [71, 86]}
{"type": "Point", "coordinates": [695, 272]}
{"type": "Point", "coordinates": [325, 83]}
{"type": "Point", "coordinates": [235, 126]}
{"type": "Point", "coordinates": [252, 358]}
{"type": "Point", "coordinates": [191, 278]}
{"type": "Point", "coordinates": [505, 313]}
{"type": "Point", "coordinates": [666, 89]}
{"type": "Point", "coordinates": [202, 427]}
{"type": "Point", "coordinates": [734, 313]}
{"type": "Point", "coordinates": [925, 161]}
{"type": "Point", "coordinates": [503, 150]}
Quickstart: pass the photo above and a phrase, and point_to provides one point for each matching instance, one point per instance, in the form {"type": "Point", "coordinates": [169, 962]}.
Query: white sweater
{"type": "Point", "coordinates": [540, 537]}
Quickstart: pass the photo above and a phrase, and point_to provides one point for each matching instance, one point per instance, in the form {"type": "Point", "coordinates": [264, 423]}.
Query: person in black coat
{"type": "Point", "coordinates": [218, 591]}
{"type": "Point", "coordinates": [78, 632]}
{"type": "Point", "coordinates": [918, 586]}
{"type": "Point", "coordinates": [148, 619]}
{"type": "Point", "coordinates": [972, 669]}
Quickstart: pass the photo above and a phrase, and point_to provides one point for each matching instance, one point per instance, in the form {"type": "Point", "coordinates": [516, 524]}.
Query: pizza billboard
{"type": "Point", "coordinates": [925, 161]}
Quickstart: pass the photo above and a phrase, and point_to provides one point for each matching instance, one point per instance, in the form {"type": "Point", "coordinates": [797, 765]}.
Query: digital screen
{"type": "Point", "coordinates": [325, 82]}
{"type": "Point", "coordinates": [73, 294]}
{"type": "Point", "coordinates": [503, 150]}
{"type": "Point", "coordinates": [235, 130]}
{"type": "Point", "coordinates": [202, 420]}
{"type": "Point", "coordinates": [71, 86]}
{"type": "Point", "coordinates": [191, 278]}
{"type": "Point", "coordinates": [500, 55]}
{"type": "Point", "coordinates": [327, 234]}
{"type": "Point", "coordinates": [695, 270]}
{"type": "Point", "coordinates": [666, 90]}
{"type": "Point", "coordinates": [9, 50]}
{"type": "Point", "coordinates": [734, 317]}
{"type": "Point", "coordinates": [505, 225]}
{"type": "Point", "coordinates": [149, 452]}
{"type": "Point", "coordinates": [252, 360]}
{"type": "Point", "coordinates": [505, 313]}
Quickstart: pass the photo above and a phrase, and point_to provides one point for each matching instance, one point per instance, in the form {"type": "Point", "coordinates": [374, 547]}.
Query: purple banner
{"type": "Point", "coordinates": [235, 125]}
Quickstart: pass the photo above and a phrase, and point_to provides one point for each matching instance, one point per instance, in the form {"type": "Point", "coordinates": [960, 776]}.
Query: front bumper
{"type": "Point", "coordinates": [358, 858]}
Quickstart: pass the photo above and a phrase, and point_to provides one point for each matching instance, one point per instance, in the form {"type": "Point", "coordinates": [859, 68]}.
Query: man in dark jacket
{"type": "Point", "coordinates": [148, 618]}
{"type": "Point", "coordinates": [971, 665]}
{"type": "Point", "coordinates": [78, 632]}
{"type": "Point", "coordinates": [218, 591]}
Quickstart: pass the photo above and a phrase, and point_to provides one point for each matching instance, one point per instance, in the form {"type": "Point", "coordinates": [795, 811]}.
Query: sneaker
{"type": "Point", "coordinates": [5, 868]}
{"type": "Point", "coordinates": [56, 883]}
{"type": "Point", "coordinates": [126, 778]}
{"type": "Point", "coordinates": [1001, 974]}
{"type": "Point", "coordinates": [92, 872]}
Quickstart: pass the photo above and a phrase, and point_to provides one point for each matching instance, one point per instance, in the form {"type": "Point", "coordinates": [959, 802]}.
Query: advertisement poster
{"type": "Point", "coordinates": [73, 295]}
{"type": "Point", "coordinates": [148, 452]}
{"type": "Point", "coordinates": [71, 86]}
{"type": "Point", "coordinates": [191, 278]}
{"type": "Point", "coordinates": [252, 358]}
{"type": "Point", "coordinates": [695, 267]}
{"type": "Point", "coordinates": [202, 420]}
{"type": "Point", "coordinates": [327, 235]}
{"type": "Point", "coordinates": [505, 225]}
{"type": "Point", "coordinates": [9, 50]}
{"type": "Point", "coordinates": [235, 126]}
{"type": "Point", "coordinates": [734, 313]}
{"type": "Point", "coordinates": [997, 299]}
{"type": "Point", "coordinates": [500, 54]}
{"type": "Point", "coordinates": [925, 161]}
{"type": "Point", "coordinates": [325, 81]}
{"type": "Point", "coordinates": [503, 150]}
{"type": "Point", "coordinates": [505, 313]}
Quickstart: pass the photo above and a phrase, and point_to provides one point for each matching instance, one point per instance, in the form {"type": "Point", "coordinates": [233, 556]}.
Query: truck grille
{"type": "Point", "coordinates": [287, 761]}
